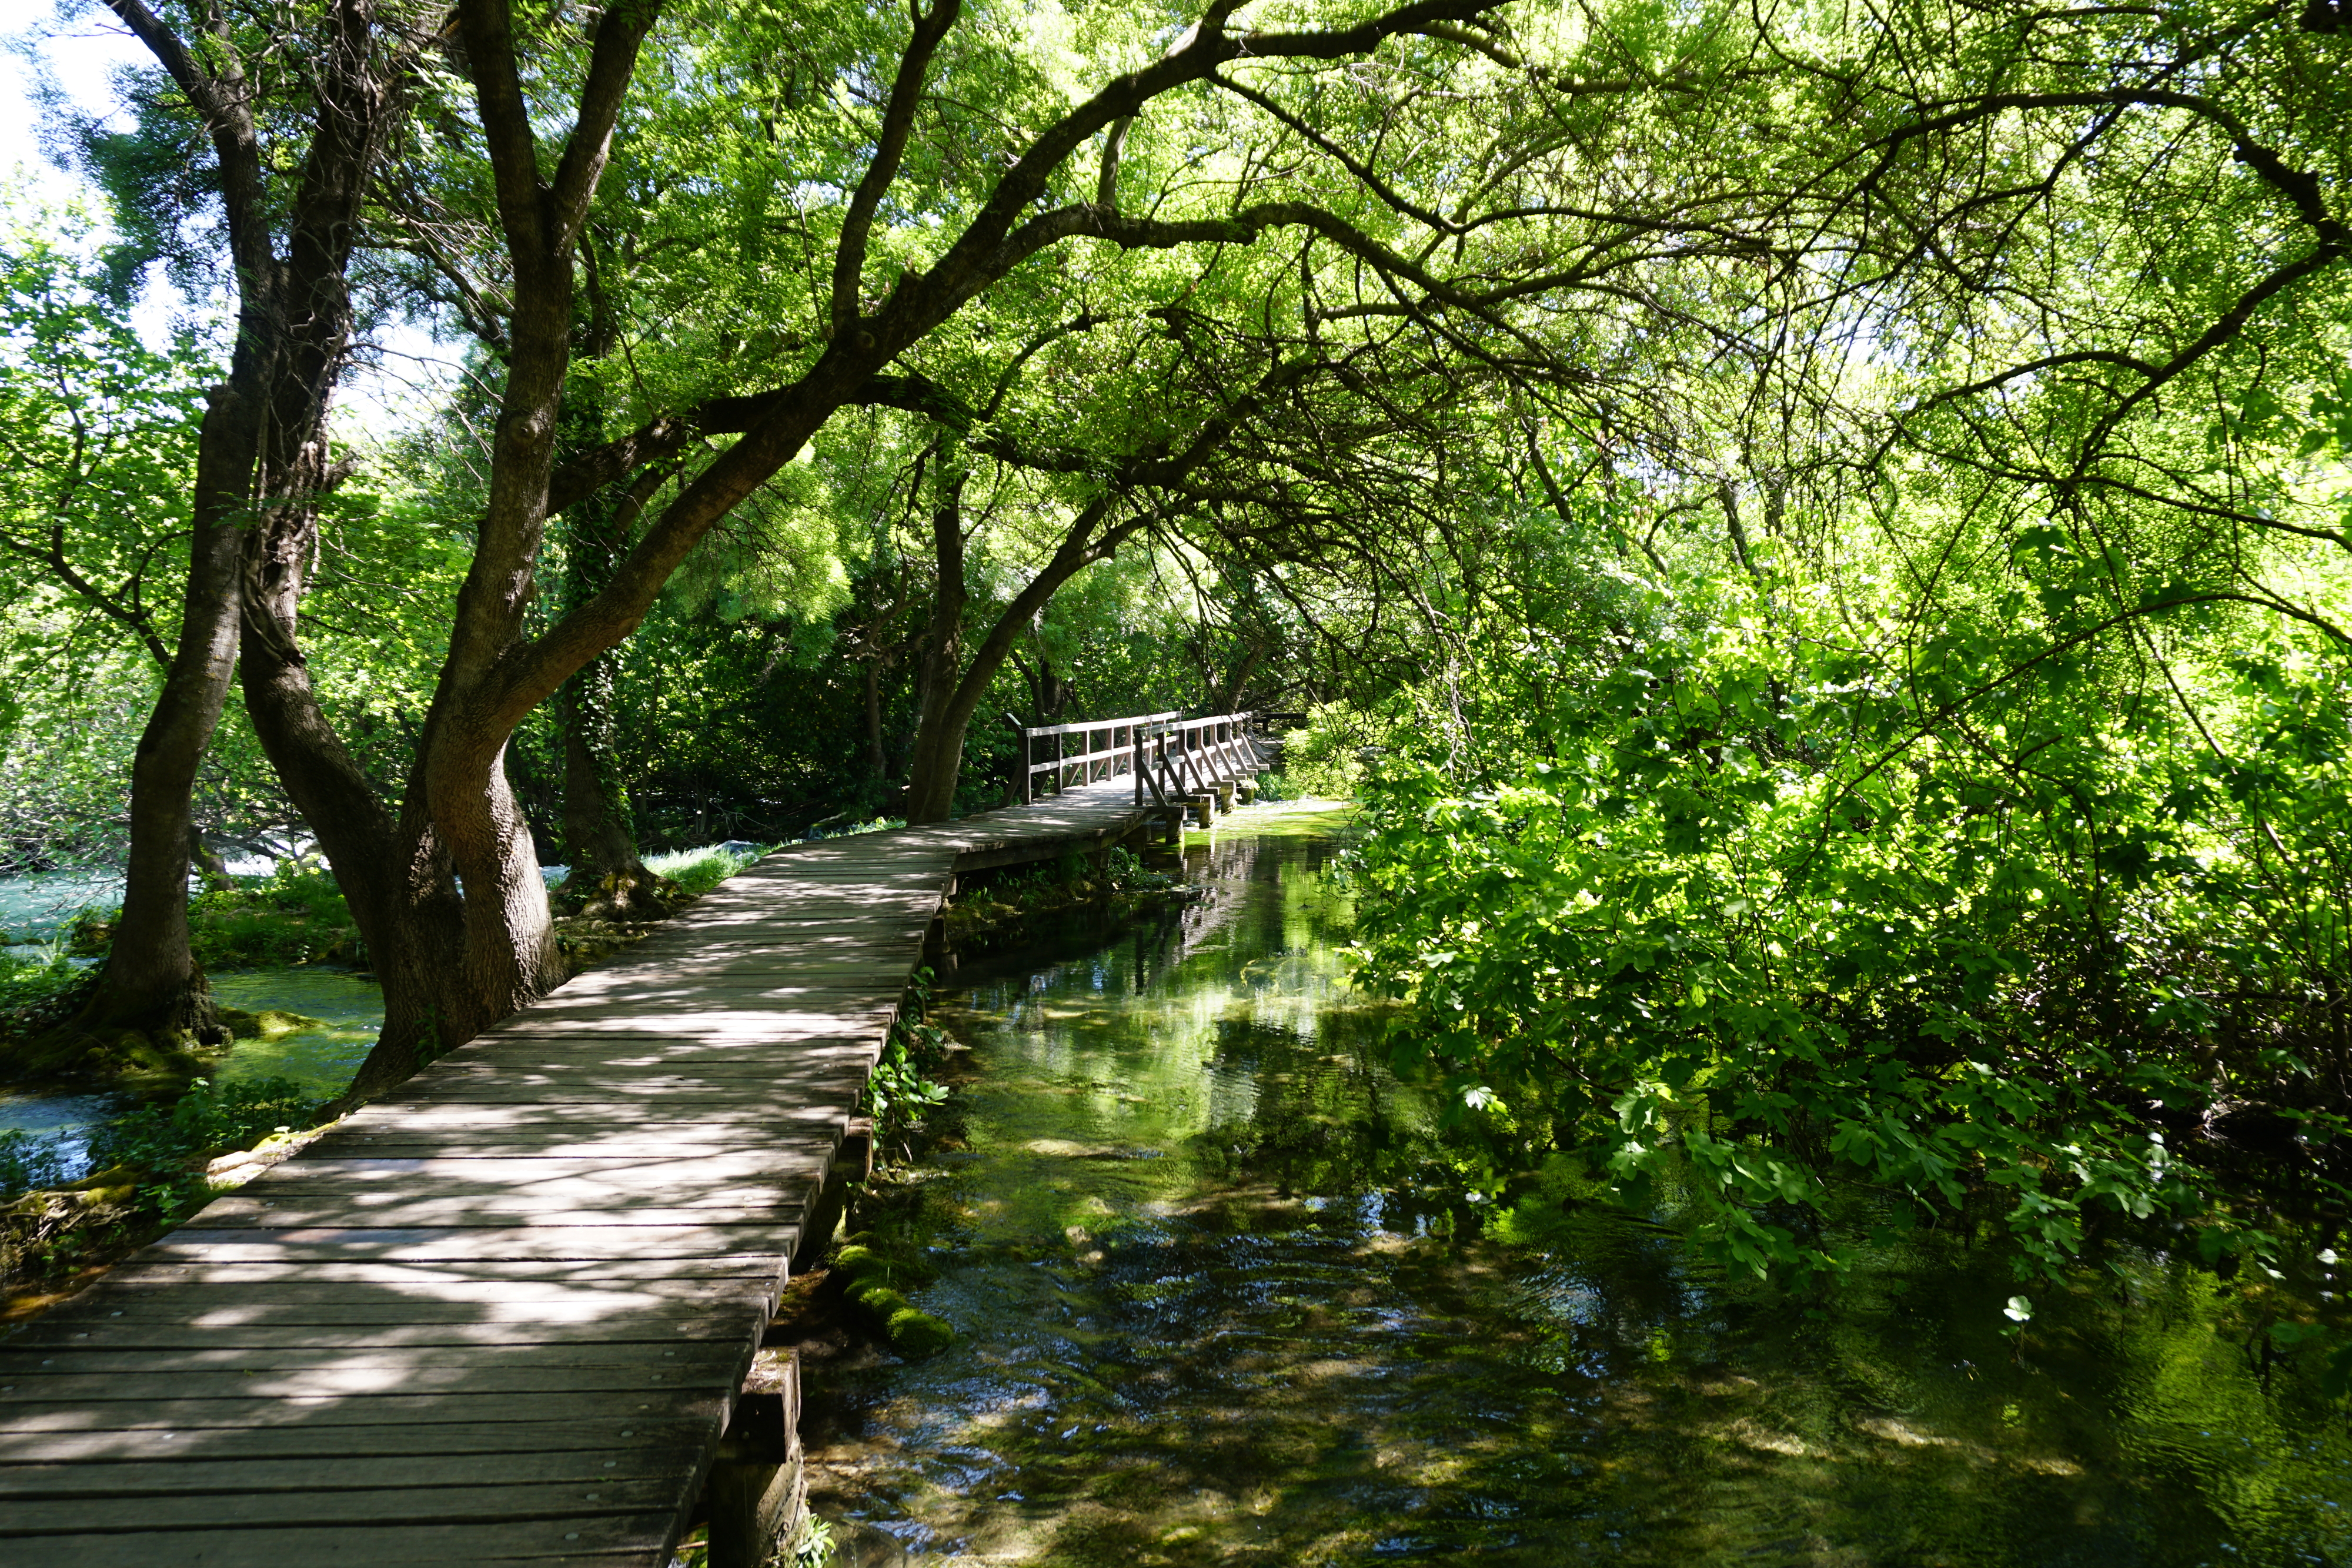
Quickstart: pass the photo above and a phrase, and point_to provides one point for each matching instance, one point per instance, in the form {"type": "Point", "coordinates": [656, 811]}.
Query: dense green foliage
{"type": "Point", "coordinates": [1819, 536]}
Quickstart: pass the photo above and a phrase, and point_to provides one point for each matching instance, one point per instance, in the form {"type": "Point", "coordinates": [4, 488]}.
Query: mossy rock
{"type": "Point", "coordinates": [854, 1263]}
{"type": "Point", "coordinates": [269, 1023]}
{"type": "Point", "coordinates": [115, 1053]}
{"type": "Point", "coordinates": [915, 1332]}
{"type": "Point", "coordinates": [858, 1263]}
{"type": "Point", "coordinates": [880, 1302]}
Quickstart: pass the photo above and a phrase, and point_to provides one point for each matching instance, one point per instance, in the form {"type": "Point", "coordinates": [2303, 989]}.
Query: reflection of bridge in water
{"type": "Point", "coordinates": [514, 1310]}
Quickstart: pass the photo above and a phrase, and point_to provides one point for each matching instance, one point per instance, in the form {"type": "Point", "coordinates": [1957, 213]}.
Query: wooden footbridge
{"type": "Point", "coordinates": [513, 1312]}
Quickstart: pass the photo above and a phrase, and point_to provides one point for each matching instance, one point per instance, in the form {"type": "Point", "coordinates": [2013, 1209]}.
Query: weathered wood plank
{"type": "Point", "coordinates": [494, 1207]}
{"type": "Point", "coordinates": [176, 1413]}
{"type": "Point", "coordinates": [452, 1279]}
{"type": "Point", "coordinates": [96, 1482]}
{"type": "Point", "coordinates": [419, 1373]}
{"type": "Point", "coordinates": [609, 1241]}
{"type": "Point", "coordinates": [23, 1367]}
{"type": "Point", "coordinates": [313, 1442]}
{"type": "Point", "coordinates": [358, 1334]}
{"type": "Point", "coordinates": [360, 1198]}
{"type": "Point", "coordinates": [640, 1538]}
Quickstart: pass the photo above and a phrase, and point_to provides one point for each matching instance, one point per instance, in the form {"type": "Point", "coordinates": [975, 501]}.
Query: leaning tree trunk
{"type": "Point", "coordinates": [261, 448]}
{"type": "Point", "coordinates": [151, 984]}
{"type": "Point", "coordinates": [397, 878]}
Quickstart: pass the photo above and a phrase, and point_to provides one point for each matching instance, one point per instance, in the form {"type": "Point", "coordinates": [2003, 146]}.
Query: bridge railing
{"type": "Point", "coordinates": [1103, 748]}
{"type": "Point", "coordinates": [1180, 761]}
{"type": "Point", "coordinates": [1171, 759]}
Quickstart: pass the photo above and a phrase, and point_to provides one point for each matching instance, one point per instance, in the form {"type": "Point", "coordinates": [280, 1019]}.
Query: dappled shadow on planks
{"type": "Point", "coordinates": [503, 1315]}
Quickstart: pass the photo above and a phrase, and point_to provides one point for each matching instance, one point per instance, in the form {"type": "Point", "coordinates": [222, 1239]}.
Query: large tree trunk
{"type": "Point", "coordinates": [1227, 696]}
{"type": "Point", "coordinates": [599, 840]}
{"type": "Point", "coordinates": [608, 877]}
{"type": "Point", "coordinates": [261, 450]}
{"type": "Point", "coordinates": [877, 756]}
{"type": "Point", "coordinates": [151, 984]}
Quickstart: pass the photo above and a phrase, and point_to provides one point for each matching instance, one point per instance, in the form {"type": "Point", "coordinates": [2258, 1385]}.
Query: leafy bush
{"type": "Point", "coordinates": [1764, 927]}
{"type": "Point", "coordinates": [161, 1145]}
{"type": "Point", "coordinates": [1325, 760]}
{"type": "Point", "coordinates": [294, 915]}
{"type": "Point", "coordinates": [164, 1145]}
{"type": "Point", "coordinates": [902, 1091]}
{"type": "Point", "coordinates": [39, 992]}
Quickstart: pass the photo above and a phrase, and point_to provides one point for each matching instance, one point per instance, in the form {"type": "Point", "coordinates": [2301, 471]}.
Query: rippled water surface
{"type": "Point", "coordinates": [1215, 1309]}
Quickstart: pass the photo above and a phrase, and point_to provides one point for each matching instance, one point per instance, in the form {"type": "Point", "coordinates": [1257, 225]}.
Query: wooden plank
{"type": "Point", "coordinates": [385, 1330]}
{"type": "Point", "coordinates": [417, 1375]}
{"type": "Point", "coordinates": [96, 1483]}
{"type": "Point", "coordinates": [363, 1172]}
{"type": "Point", "coordinates": [500, 1278]}
{"type": "Point", "coordinates": [313, 1442]}
{"type": "Point", "coordinates": [490, 1206]}
{"type": "Point", "coordinates": [641, 1539]}
{"type": "Point", "coordinates": [720, 1018]}
{"type": "Point", "coordinates": [746, 1114]}
{"type": "Point", "coordinates": [24, 1368]}
{"type": "Point", "coordinates": [665, 1094]}
{"type": "Point", "coordinates": [609, 1242]}
{"type": "Point", "coordinates": [366, 1191]}
{"type": "Point", "coordinates": [173, 1413]}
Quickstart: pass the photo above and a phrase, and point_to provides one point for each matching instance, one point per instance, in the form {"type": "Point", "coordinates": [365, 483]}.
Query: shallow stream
{"type": "Point", "coordinates": [1218, 1304]}
{"type": "Point", "coordinates": [322, 1057]}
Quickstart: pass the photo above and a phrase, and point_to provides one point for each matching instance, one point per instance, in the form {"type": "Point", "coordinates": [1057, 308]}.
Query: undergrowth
{"type": "Point", "coordinates": [39, 991]}
{"type": "Point", "coordinates": [903, 1090]}
{"type": "Point", "coordinates": [162, 1147]}
{"type": "Point", "coordinates": [294, 915]}
{"type": "Point", "coordinates": [697, 871]}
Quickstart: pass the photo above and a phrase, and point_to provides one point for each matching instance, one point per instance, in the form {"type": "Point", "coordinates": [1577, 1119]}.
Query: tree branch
{"type": "Point", "coordinates": [890, 147]}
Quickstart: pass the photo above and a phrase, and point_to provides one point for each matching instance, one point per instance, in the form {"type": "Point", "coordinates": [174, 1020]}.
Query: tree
{"type": "Point", "coordinates": [452, 966]}
{"type": "Point", "coordinates": [292, 113]}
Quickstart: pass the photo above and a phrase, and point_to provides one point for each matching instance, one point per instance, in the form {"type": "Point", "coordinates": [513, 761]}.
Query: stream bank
{"type": "Point", "coordinates": [1222, 1296]}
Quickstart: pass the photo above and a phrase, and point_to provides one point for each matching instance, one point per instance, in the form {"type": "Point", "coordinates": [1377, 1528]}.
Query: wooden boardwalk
{"type": "Point", "coordinates": [505, 1313]}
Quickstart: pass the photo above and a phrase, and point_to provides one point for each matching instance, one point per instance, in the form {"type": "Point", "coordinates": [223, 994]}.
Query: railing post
{"type": "Point", "coordinates": [1022, 731]}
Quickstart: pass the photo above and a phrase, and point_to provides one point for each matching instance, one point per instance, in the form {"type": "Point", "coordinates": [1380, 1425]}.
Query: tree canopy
{"type": "Point", "coordinates": [1818, 531]}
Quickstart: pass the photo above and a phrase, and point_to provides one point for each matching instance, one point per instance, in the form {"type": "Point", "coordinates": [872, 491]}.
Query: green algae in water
{"type": "Point", "coordinates": [322, 1059]}
{"type": "Point", "coordinates": [1309, 819]}
{"type": "Point", "coordinates": [1214, 1308]}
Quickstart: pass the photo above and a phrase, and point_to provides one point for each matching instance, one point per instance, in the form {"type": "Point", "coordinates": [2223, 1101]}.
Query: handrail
{"type": "Point", "coordinates": [1091, 763]}
{"type": "Point", "coordinates": [1180, 761]}
{"type": "Point", "coordinates": [1172, 754]}
{"type": "Point", "coordinates": [1037, 729]}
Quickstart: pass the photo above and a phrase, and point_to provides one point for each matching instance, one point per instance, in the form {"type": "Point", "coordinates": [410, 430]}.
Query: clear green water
{"type": "Point", "coordinates": [349, 1010]}
{"type": "Point", "coordinates": [37, 907]}
{"type": "Point", "coordinates": [1218, 1306]}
